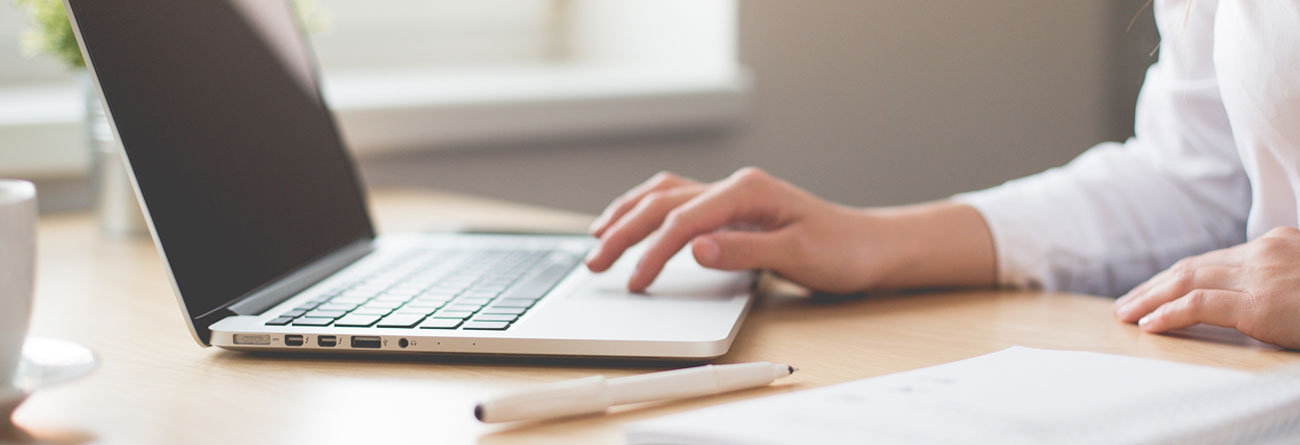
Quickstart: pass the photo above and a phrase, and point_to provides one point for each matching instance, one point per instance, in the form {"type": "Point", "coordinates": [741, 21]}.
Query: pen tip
{"type": "Point", "coordinates": [478, 412]}
{"type": "Point", "coordinates": [792, 369]}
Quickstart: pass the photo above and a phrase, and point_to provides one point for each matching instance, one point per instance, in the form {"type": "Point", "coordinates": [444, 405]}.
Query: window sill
{"type": "Point", "coordinates": [406, 111]}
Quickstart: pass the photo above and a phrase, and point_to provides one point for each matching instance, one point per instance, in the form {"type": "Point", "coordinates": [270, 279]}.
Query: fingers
{"type": "Point", "coordinates": [1171, 284]}
{"type": "Point", "coordinates": [1225, 257]}
{"type": "Point", "coordinates": [1215, 307]}
{"type": "Point", "coordinates": [735, 250]}
{"type": "Point", "coordinates": [637, 223]}
{"type": "Point", "coordinates": [741, 198]}
{"type": "Point", "coordinates": [629, 200]}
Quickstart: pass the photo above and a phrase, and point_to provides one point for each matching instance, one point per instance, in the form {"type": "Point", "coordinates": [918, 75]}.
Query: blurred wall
{"type": "Point", "coordinates": [866, 103]}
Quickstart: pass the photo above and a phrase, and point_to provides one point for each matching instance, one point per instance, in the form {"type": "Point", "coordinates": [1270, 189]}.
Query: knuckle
{"type": "Point", "coordinates": [655, 199]}
{"type": "Point", "coordinates": [1271, 245]}
{"type": "Point", "coordinates": [674, 219]}
{"type": "Point", "coordinates": [664, 177]}
{"type": "Point", "coordinates": [1183, 275]}
{"type": "Point", "coordinates": [1195, 301]}
{"type": "Point", "coordinates": [1283, 231]}
{"type": "Point", "coordinates": [620, 202]}
{"type": "Point", "coordinates": [750, 174]}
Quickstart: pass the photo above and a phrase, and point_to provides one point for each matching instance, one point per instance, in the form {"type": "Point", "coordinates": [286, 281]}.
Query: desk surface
{"type": "Point", "coordinates": [157, 386]}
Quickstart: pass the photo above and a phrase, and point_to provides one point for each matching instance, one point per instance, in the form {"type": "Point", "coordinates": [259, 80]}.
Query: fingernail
{"type": "Point", "coordinates": [1124, 309]}
{"type": "Point", "coordinates": [1144, 320]}
{"type": "Point", "coordinates": [634, 281]}
{"type": "Point", "coordinates": [595, 225]}
{"type": "Point", "coordinates": [707, 251]}
{"type": "Point", "coordinates": [591, 255]}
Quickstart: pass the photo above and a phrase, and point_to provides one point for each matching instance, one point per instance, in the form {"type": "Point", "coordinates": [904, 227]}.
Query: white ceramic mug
{"type": "Point", "coordinates": [17, 273]}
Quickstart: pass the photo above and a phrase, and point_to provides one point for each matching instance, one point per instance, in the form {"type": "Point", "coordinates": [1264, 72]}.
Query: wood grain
{"type": "Point", "coordinates": [156, 385]}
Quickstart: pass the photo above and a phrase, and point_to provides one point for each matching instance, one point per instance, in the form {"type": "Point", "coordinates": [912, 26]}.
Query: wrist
{"type": "Point", "coordinates": [932, 245]}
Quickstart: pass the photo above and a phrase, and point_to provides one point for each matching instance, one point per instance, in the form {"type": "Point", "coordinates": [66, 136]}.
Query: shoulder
{"type": "Point", "coordinates": [1257, 54]}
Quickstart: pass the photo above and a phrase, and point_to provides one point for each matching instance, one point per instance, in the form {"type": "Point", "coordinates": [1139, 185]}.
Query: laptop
{"type": "Point", "coordinates": [258, 212]}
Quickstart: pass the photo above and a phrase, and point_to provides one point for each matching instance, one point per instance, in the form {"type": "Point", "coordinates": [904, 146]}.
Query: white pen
{"type": "Point", "coordinates": [596, 394]}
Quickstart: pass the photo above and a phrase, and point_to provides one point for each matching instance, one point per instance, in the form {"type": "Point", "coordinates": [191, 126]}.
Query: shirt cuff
{"type": "Point", "coordinates": [1015, 247]}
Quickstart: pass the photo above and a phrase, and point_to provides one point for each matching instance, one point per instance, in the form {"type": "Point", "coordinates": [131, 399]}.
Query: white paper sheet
{"type": "Point", "coordinates": [1018, 395]}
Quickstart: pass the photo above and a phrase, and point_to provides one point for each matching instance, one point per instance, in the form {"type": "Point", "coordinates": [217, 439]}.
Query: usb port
{"type": "Point", "coordinates": [293, 340]}
{"type": "Point", "coordinates": [365, 342]}
{"type": "Point", "coordinates": [327, 341]}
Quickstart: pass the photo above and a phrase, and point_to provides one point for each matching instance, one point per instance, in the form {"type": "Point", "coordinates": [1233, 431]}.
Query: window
{"type": "Point", "coordinates": [432, 74]}
{"type": "Point", "coordinates": [405, 34]}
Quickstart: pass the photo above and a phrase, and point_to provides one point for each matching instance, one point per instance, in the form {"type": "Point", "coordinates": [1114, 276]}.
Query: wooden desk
{"type": "Point", "coordinates": [157, 386]}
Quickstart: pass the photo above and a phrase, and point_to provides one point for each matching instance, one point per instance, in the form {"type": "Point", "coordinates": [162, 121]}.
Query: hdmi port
{"type": "Point", "coordinates": [365, 342]}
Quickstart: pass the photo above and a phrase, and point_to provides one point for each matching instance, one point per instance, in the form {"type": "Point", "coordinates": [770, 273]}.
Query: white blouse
{"type": "Point", "coordinates": [1215, 160]}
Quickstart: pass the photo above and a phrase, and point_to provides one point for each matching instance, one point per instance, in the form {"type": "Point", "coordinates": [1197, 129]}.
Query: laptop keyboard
{"type": "Point", "coordinates": [440, 289]}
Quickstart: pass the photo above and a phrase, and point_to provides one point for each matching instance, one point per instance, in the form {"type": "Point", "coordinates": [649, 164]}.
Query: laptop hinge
{"type": "Point", "coordinates": [279, 290]}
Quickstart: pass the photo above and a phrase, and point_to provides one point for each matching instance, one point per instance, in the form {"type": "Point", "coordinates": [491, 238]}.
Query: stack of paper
{"type": "Point", "coordinates": [1018, 395]}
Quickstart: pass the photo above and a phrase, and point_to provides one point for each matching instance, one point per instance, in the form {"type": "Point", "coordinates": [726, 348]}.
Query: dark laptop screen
{"type": "Point", "coordinates": [238, 159]}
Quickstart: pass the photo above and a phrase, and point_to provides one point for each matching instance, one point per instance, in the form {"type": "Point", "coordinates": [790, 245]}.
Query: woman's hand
{"type": "Point", "coordinates": [1253, 287]}
{"type": "Point", "coordinates": [752, 220]}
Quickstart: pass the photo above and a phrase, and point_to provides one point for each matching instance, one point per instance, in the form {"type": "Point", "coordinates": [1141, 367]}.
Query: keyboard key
{"type": "Point", "coordinates": [471, 300]}
{"type": "Point", "coordinates": [346, 300]}
{"type": "Point", "coordinates": [480, 294]}
{"type": "Point", "coordinates": [372, 311]}
{"type": "Point", "coordinates": [542, 282]}
{"type": "Point", "coordinates": [293, 313]}
{"type": "Point", "coordinates": [281, 321]}
{"type": "Point", "coordinates": [306, 307]}
{"type": "Point", "coordinates": [400, 321]}
{"type": "Point", "coordinates": [493, 288]}
{"type": "Point", "coordinates": [408, 289]}
{"type": "Point", "coordinates": [452, 314]}
{"type": "Point", "coordinates": [486, 325]}
{"type": "Point", "coordinates": [336, 307]}
{"type": "Point", "coordinates": [357, 320]}
{"type": "Point", "coordinates": [385, 304]}
{"type": "Point", "coordinates": [363, 294]}
{"type": "Point", "coordinates": [440, 323]}
{"type": "Point", "coordinates": [438, 295]}
{"type": "Point", "coordinates": [434, 304]}
{"type": "Point", "coordinates": [465, 307]}
{"type": "Point", "coordinates": [496, 317]}
{"type": "Point", "coordinates": [422, 311]}
{"type": "Point", "coordinates": [308, 321]}
{"type": "Point", "coordinates": [505, 310]}
{"type": "Point", "coordinates": [324, 314]}
{"type": "Point", "coordinates": [514, 302]}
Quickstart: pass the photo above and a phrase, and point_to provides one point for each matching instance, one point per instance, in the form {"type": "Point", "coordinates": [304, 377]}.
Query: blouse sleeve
{"type": "Point", "coordinates": [1121, 212]}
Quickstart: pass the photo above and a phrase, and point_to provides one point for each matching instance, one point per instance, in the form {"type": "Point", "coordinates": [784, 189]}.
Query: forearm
{"type": "Point", "coordinates": [940, 244]}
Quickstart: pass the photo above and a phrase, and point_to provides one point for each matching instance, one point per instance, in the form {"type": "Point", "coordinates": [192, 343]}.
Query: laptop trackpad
{"type": "Point", "coordinates": [682, 278]}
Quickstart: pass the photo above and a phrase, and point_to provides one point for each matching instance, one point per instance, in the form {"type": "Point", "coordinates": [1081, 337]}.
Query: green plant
{"type": "Point", "coordinates": [52, 34]}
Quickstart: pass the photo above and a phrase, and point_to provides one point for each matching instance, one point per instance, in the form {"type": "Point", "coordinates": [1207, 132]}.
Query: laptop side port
{"type": "Point", "coordinates": [252, 339]}
{"type": "Point", "coordinates": [327, 341]}
{"type": "Point", "coordinates": [293, 340]}
{"type": "Point", "coordinates": [369, 342]}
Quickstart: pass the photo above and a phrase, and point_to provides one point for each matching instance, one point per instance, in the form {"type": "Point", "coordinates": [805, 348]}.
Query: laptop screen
{"type": "Point", "coordinates": [242, 170]}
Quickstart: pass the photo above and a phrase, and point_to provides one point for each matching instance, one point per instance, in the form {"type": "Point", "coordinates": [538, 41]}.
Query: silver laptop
{"type": "Point", "coordinates": [258, 212]}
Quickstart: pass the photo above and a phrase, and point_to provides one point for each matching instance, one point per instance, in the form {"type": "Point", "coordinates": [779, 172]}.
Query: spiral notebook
{"type": "Point", "coordinates": [1017, 395]}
